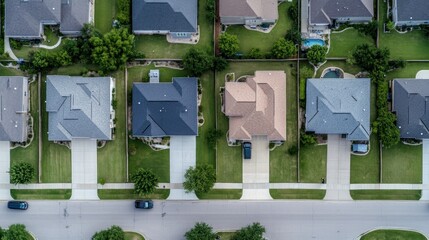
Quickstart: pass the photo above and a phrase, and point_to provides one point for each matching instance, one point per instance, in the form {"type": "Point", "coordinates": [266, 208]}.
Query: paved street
{"type": "Point", "coordinates": [304, 220]}
{"type": "Point", "coordinates": [4, 169]}
{"type": "Point", "coordinates": [338, 169]}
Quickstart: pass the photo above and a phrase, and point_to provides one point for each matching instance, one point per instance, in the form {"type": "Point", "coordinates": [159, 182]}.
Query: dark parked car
{"type": "Point", "coordinates": [21, 205]}
{"type": "Point", "coordinates": [247, 150]}
{"type": "Point", "coordinates": [143, 204]}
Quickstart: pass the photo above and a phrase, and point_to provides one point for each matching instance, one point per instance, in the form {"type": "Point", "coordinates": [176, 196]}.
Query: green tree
{"type": "Point", "coordinates": [255, 53]}
{"type": "Point", "coordinates": [145, 181]}
{"type": "Point", "coordinates": [294, 36]}
{"type": "Point", "coordinates": [21, 173]}
{"type": "Point", "coordinates": [40, 61]}
{"type": "Point", "coordinates": [124, 13]}
{"type": "Point", "coordinates": [220, 64]}
{"type": "Point", "coordinates": [390, 25]}
{"type": "Point", "coordinates": [16, 232]}
{"type": "Point", "coordinates": [112, 233]}
{"type": "Point", "coordinates": [197, 61]}
{"type": "Point", "coordinates": [200, 179]}
{"type": "Point", "coordinates": [213, 135]}
{"type": "Point", "coordinates": [63, 58]}
{"type": "Point", "coordinates": [211, 10]}
{"type": "Point", "coordinates": [201, 231]}
{"type": "Point", "coordinates": [228, 45]}
{"type": "Point", "coordinates": [72, 48]}
{"type": "Point", "coordinates": [251, 232]}
{"type": "Point", "coordinates": [307, 138]}
{"type": "Point", "coordinates": [283, 49]}
{"type": "Point", "coordinates": [87, 32]}
{"type": "Point", "coordinates": [316, 54]}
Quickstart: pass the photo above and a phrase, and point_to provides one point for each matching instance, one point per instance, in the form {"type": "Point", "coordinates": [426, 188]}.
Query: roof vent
{"type": "Point", "coordinates": [138, 103]}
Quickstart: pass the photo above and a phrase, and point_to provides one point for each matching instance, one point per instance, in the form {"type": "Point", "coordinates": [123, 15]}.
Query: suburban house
{"type": "Point", "coordinates": [339, 106]}
{"type": "Point", "coordinates": [257, 106]}
{"type": "Point", "coordinates": [14, 96]}
{"type": "Point", "coordinates": [251, 13]}
{"type": "Point", "coordinates": [79, 107]}
{"type": "Point", "coordinates": [325, 14]}
{"type": "Point", "coordinates": [410, 103]}
{"type": "Point", "coordinates": [165, 109]}
{"type": "Point", "coordinates": [176, 18]}
{"type": "Point", "coordinates": [25, 19]}
{"type": "Point", "coordinates": [410, 13]}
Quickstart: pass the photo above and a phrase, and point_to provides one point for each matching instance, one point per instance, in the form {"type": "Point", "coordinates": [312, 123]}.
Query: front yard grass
{"type": "Point", "coordinates": [109, 194]}
{"type": "Point", "coordinates": [105, 12]}
{"type": "Point", "coordinates": [249, 39]}
{"type": "Point", "coordinates": [156, 46]}
{"type": "Point", "coordinates": [312, 160]}
{"type": "Point", "coordinates": [41, 194]}
{"type": "Point", "coordinates": [111, 159]}
{"type": "Point", "coordinates": [221, 194]}
{"type": "Point", "coordinates": [402, 164]}
{"type": "Point", "coordinates": [225, 235]}
{"type": "Point", "coordinates": [297, 193]}
{"type": "Point", "coordinates": [385, 194]}
{"type": "Point", "coordinates": [343, 43]}
{"type": "Point", "coordinates": [388, 234]}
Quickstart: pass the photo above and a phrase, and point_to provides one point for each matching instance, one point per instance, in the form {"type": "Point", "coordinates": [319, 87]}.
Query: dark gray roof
{"type": "Point", "coordinates": [165, 15]}
{"type": "Point", "coordinates": [25, 18]}
{"type": "Point", "coordinates": [412, 10]}
{"type": "Point", "coordinates": [78, 107]}
{"type": "Point", "coordinates": [323, 11]}
{"type": "Point", "coordinates": [13, 109]}
{"type": "Point", "coordinates": [411, 105]}
{"type": "Point", "coordinates": [165, 109]}
{"type": "Point", "coordinates": [339, 106]}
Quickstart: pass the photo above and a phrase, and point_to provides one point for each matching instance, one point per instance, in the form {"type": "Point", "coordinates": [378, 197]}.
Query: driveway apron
{"type": "Point", "coordinates": [84, 169]}
{"type": "Point", "coordinates": [4, 170]}
{"type": "Point", "coordinates": [425, 193]}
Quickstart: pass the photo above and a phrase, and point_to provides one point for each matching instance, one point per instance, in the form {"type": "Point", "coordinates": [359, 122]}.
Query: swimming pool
{"type": "Point", "coordinates": [308, 43]}
{"type": "Point", "coordinates": [331, 74]}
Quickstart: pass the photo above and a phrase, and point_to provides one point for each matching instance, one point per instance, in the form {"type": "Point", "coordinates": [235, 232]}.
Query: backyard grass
{"type": "Point", "coordinates": [391, 234]}
{"type": "Point", "coordinates": [108, 194]}
{"type": "Point", "coordinates": [156, 46]}
{"type": "Point", "coordinates": [297, 194]}
{"type": "Point", "coordinates": [221, 194]}
{"type": "Point", "coordinates": [105, 12]}
{"type": "Point", "coordinates": [411, 45]}
{"type": "Point", "coordinates": [51, 37]}
{"type": "Point", "coordinates": [385, 194]}
{"type": "Point", "coordinates": [249, 39]}
{"type": "Point", "coordinates": [342, 44]}
{"type": "Point", "coordinates": [312, 161]}
{"type": "Point", "coordinates": [9, 72]}
{"type": "Point", "coordinates": [45, 194]}
{"type": "Point", "coordinates": [402, 164]}
{"type": "Point", "coordinates": [133, 236]}
{"type": "Point", "coordinates": [410, 70]}
{"type": "Point", "coordinates": [111, 158]}
{"type": "Point", "coordinates": [30, 154]}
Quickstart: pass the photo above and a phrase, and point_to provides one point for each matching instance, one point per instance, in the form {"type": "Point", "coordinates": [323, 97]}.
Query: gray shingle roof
{"type": "Point", "coordinates": [165, 15]}
{"type": "Point", "coordinates": [78, 107]}
{"type": "Point", "coordinates": [411, 105]}
{"type": "Point", "coordinates": [13, 109]}
{"type": "Point", "coordinates": [322, 11]}
{"type": "Point", "coordinates": [165, 109]}
{"type": "Point", "coordinates": [415, 10]}
{"type": "Point", "coordinates": [339, 106]}
{"type": "Point", "coordinates": [25, 18]}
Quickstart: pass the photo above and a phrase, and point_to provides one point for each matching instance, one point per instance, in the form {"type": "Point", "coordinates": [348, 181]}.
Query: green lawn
{"type": "Point", "coordinates": [312, 161]}
{"type": "Point", "coordinates": [402, 164]}
{"type": "Point", "coordinates": [156, 46]}
{"type": "Point", "coordinates": [221, 194]}
{"type": "Point", "coordinates": [385, 194]}
{"type": "Point", "coordinates": [393, 235]}
{"type": "Point", "coordinates": [30, 154]}
{"type": "Point", "coordinates": [105, 12]}
{"type": "Point", "coordinates": [9, 72]}
{"type": "Point", "coordinates": [108, 194]}
{"type": "Point", "coordinates": [45, 194]}
{"type": "Point", "coordinates": [342, 44]}
{"type": "Point", "coordinates": [411, 45]}
{"type": "Point", "coordinates": [409, 71]}
{"type": "Point", "coordinates": [225, 235]}
{"type": "Point", "coordinates": [297, 194]}
{"type": "Point", "coordinates": [249, 39]}
{"type": "Point", "coordinates": [51, 37]}
{"type": "Point", "coordinates": [133, 236]}
{"type": "Point", "coordinates": [112, 157]}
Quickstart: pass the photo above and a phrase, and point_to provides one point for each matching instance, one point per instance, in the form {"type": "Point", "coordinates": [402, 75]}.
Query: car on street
{"type": "Point", "coordinates": [247, 150]}
{"type": "Point", "coordinates": [20, 205]}
{"type": "Point", "coordinates": [144, 204]}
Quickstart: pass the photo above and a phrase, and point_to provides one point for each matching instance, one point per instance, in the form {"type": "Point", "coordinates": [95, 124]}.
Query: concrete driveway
{"type": "Point", "coordinates": [84, 169]}
{"type": "Point", "coordinates": [182, 156]}
{"type": "Point", "coordinates": [425, 193]}
{"type": "Point", "coordinates": [256, 171]}
{"type": "Point", "coordinates": [338, 169]}
{"type": "Point", "coordinates": [4, 169]}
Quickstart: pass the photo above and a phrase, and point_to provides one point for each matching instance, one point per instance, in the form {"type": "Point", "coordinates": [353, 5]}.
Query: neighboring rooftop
{"type": "Point", "coordinates": [339, 106]}
{"type": "Point", "coordinates": [264, 9]}
{"type": "Point", "coordinates": [79, 107]}
{"type": "Point", "coordinates": [165, 15]}
{"type": "Point", "coordinates": [410, 102]}
{"type": "Point", "coordinates": [165, 109]}
{"type": "Point", "coordinates": [415, 10]}
{"type": "Point", "coordinates": [324, 11]}
{"type": "Point", "coordinates": [25, 18]}
{"type": "Point", "coordinates": [257, 106]}
{"type": "Point", "coordinates": [13, 109]}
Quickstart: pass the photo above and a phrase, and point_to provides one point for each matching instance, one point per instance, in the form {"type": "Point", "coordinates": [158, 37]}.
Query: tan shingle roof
{"type": "Point", "coordinates": [257, 106]}
{"type": "Point", "coordinates": [265, 9]}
